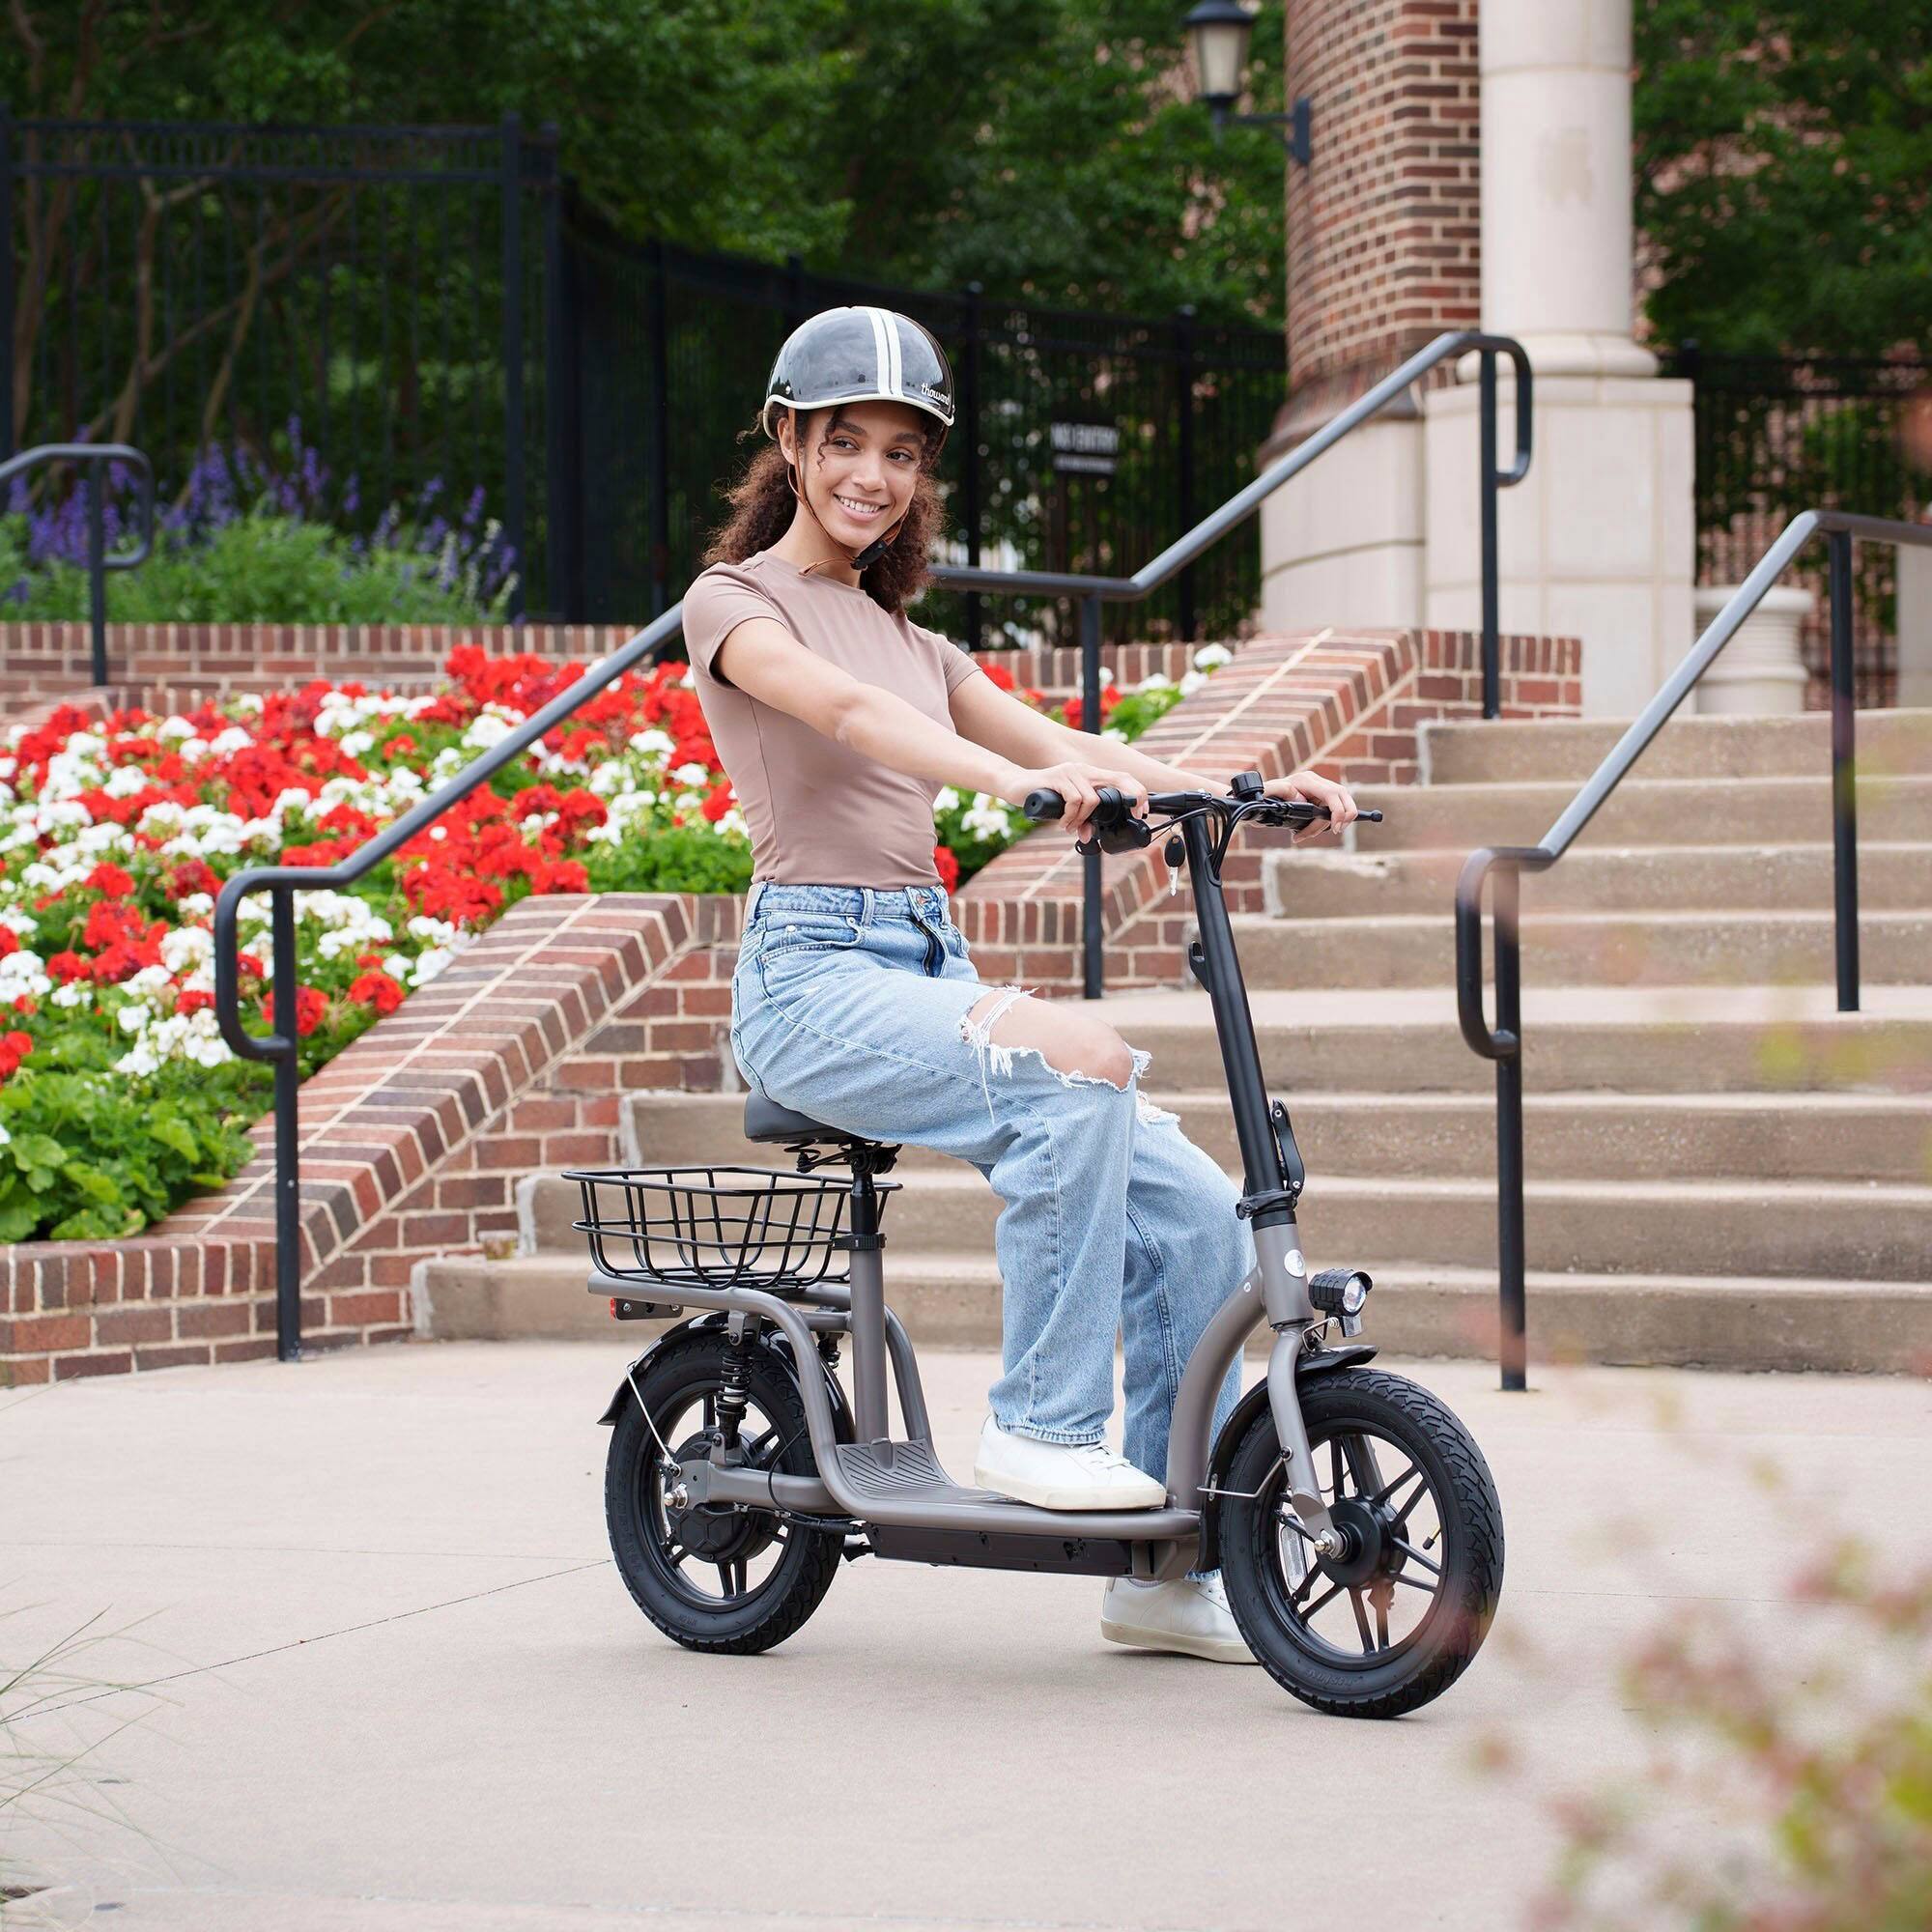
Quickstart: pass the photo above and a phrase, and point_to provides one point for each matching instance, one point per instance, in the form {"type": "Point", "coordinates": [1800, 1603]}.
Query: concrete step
{"type": "Point", "coordinates": [1893, 877]}
{"type": "Point", "coordinates": [1642, 810]}
{"type": "Point", "coordinates": [1872, 1230]}
{"type": "Point", "coordinates": [1417, 1308]}
{"type": "Point", "coordinates": [1585, 1136]}
{"type": "Point", "coordinates": [1644, 1039]}
{"type": "Point", "coordinates": [1593, 949]}
{"type": "Point", "coordinates": [1689, 747]}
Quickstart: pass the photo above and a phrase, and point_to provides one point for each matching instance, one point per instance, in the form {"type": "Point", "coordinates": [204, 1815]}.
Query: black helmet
{"type": "Point", "coordinates": [861, 355]}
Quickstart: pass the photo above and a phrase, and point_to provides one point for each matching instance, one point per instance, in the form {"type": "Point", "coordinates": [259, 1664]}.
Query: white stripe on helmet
{"type": "Point", "coordinates": [882, 335]}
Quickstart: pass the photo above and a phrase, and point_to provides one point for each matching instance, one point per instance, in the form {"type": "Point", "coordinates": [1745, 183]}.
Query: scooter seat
{"type": "Point", "coordinates": [766, 1121]}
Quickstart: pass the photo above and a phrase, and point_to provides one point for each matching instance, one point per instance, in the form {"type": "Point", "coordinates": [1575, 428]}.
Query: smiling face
{"type": "Point", "coordinates": [860, 463]}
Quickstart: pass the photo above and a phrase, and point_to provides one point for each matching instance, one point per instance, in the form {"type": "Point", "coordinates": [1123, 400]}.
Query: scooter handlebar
{"type": "Point", "coordinates": [1043, 805]}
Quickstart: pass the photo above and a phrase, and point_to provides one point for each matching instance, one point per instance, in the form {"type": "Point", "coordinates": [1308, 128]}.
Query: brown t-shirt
{"type": "Point", "coordinates": [819, 812]}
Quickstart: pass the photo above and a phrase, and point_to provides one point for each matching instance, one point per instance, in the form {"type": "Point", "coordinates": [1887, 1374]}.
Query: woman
{"type": "Point", "coordinates": [837, 718]}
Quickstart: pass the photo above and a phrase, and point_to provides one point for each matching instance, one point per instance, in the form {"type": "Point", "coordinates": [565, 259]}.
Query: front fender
{"type": "Point", "coordinates": [1313, 1362]}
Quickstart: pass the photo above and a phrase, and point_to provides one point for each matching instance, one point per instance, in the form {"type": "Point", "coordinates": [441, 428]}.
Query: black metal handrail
{"type": "Point", "coordinates": [282, 881]}
{"type": "Point", "coordinates": [1093, 591]}
{"type": "Point", "coordinates": [98, 562]}
{"type": "Point", "coordinates": [1503, 1042]}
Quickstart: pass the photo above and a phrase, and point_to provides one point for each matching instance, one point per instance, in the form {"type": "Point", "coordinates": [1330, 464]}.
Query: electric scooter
{"type": "Point", "coordinates": [1351, 1514]}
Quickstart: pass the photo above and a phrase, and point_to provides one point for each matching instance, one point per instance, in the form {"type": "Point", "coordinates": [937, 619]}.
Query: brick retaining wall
{"type": "Point", "coordinates": [176, 667]}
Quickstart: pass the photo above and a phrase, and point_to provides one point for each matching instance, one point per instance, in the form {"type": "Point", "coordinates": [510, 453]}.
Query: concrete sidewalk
{"type": "Point", "coordinates": [394, 1686]}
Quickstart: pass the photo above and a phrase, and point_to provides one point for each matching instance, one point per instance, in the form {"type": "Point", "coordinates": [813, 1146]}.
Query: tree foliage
{"type": "Point", "coordinates": [1050, 149]}
{"type": "Point", "coordinates": [1784, 172]}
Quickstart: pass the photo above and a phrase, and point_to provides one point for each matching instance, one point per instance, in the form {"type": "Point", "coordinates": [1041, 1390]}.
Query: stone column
{"type": "Point", "coordinates": [1600, 542]}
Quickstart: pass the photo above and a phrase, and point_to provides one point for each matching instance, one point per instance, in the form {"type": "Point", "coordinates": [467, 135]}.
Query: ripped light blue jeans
{"type": "Point", "coordinates": [853, 1004]}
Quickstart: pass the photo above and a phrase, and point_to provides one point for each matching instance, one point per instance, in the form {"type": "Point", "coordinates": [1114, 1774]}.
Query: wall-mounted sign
{"type": "Point", "coordinates": [1086, 448]}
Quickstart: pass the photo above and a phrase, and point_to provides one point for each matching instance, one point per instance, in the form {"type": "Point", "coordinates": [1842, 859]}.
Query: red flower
{"type": "Point", "coordinates": [719, 802]}
{"type": "Point", "coordinates": [997, 673]}
{"type": "Point", "coordinates": [194, 1001]}
{"type": "Point", "coordinates": [377, 989]}
{"type": "Point", "coordinates": [9, 941]}
{"type": "Point", "coordinates": [67, 966]}
{"type": "Point", "coordinates": [192, 875]}
{"type": "Point", "coordinates": [948, 862]}
{"type": "Point", "coordinates": [311, 1008]}
{"type": "Point", "coordinates": [109, 879]}
{"type": "Point", "coordinates": [27, 1003]}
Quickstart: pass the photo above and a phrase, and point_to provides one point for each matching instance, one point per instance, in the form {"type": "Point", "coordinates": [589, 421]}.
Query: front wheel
{"type": "Point", "coordinates": [1396, 1618]}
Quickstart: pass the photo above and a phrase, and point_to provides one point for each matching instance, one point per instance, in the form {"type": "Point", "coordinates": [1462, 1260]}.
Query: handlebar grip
{"type": "Point", "coordinates": [1043, 805]}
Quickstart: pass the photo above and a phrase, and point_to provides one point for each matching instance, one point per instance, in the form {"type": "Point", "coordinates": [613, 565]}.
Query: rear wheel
{"type": "Point", "coordinates": [1394, 1619]}
{"type": "Point", "coordinates": [714, 1576]}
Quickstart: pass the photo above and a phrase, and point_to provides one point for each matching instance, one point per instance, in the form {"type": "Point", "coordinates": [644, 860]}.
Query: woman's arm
{"type": "Point", "coordinates": [766, 661]}
{"type": "Point", "coordinates": [1008, 726]}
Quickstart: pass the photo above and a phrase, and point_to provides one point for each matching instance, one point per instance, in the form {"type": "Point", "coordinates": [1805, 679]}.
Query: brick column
{"type": "Point", "coordinates": [1382, 233]}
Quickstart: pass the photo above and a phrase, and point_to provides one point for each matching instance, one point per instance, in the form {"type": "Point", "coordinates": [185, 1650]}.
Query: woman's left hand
{"type": "Point", "coordinates": [1316, 790]}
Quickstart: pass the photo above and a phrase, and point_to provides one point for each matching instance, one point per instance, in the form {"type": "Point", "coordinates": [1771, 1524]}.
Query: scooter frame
{"type": "Point", "coordinates": [894, 1490]}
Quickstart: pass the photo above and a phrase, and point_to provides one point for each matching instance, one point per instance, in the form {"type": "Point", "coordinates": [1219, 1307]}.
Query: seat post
{"type": "Point", "coordinates": [868, 1307]}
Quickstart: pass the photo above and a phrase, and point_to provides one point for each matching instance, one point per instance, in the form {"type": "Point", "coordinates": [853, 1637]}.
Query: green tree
{"type": "Point", "coordinates": [1049, 147]}
{"type": "Point", "coordinates": [1784, 172]}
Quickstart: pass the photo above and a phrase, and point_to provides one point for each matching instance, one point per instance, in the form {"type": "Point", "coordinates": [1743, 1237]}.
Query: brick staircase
{"type": "Point", "coordinates": [1722, 1168]}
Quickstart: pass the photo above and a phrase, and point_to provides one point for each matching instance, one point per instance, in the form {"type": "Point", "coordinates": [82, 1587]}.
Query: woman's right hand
{"type": "Point", "coordinates": [1078, 782]}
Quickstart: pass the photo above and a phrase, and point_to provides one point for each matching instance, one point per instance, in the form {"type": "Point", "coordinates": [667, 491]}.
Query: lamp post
{"type": "Point", "coordinates": [1221, 30]}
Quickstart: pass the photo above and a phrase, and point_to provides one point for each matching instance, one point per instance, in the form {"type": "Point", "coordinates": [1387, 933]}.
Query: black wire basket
{"type": "Point", "coordinates": [719, 1227]}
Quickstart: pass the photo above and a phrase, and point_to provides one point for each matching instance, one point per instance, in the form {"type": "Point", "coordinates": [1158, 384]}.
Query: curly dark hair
{"type": "Point", "coordinates": [762, 506]}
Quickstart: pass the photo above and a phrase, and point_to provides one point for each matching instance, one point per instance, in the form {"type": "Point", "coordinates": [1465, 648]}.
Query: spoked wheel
{"type": "Point", "coordinates": [1394, 1620]}
{"type": "Point", "coordinates": [710, 1576]}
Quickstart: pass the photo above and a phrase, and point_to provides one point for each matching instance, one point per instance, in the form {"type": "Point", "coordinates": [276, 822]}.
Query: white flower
{"type": "Point", "coordinates": [1191, 682]}
{"type": "Point", "coordinates": [944, 799]}
{"type": "Point", "coordinates": [233, 739]}
{"type": "Point", "coordinates": [195, 905]}
{"type": "Point", "coordinates": [125, 782]}
{"type": "Point", "coordinates": [429, 964]}
{"type": "Point", "coordinates": [692, 773]}
{"type": "Point", "coordinates": [1114, 732]}
{"type": "Point", "coordinates": [187, 948]}
{"type": "Point", "coordinates": [4, 1137]}
{"type": "Point", "coordinates": [651, 743]}
{"type": "Point", "coordinates": [1210, 657]}
{"type": "Point", "coordinates": [21, 925]}
{"type": "Point", "coordinates": [1155, 680]}
{"type": "Point", "coordinates": [75, 993]}
{"type": "Point", "coordinates": [1106, 678]}
{"type": "Point", "coordinates": [397, 968]}
{"type": "Point", "coordinates": [487, 728]}
{"type": "Point", "coordinates": [170, 730]}
{"type": "Point", "coordinates": [355, 743]}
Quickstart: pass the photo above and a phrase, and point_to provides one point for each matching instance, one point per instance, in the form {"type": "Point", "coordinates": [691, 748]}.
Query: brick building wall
{"type": "Point", "coordinates": [1383, 225]}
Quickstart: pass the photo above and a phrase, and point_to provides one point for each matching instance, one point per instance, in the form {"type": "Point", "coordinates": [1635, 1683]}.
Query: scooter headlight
{"type": "Point", "coordinates": [1340, 1291]}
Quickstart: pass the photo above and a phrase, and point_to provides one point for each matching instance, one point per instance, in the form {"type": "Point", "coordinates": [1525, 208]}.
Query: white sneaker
{"type": "Point", "coordinates": [1185, 1615]}
{"type": "Point", "coordinates": [1061, 1475]}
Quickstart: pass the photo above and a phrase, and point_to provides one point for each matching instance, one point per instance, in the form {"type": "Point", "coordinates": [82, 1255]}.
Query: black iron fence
{"type": "Point", "coordinates": [1781, 434]}
{"type": "Point", "coordinates": [184, 284]}
{"type": "Point", "coordinates": [433, 304]}
{"type": "Point", "coordinates": [1082, 440]}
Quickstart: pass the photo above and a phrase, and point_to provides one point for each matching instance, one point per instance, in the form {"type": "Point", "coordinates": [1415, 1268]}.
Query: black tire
{"type": "Point", "coordinates": [645, 1531]}
{"type": "Point", "coordinates": [1279, 1590]}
